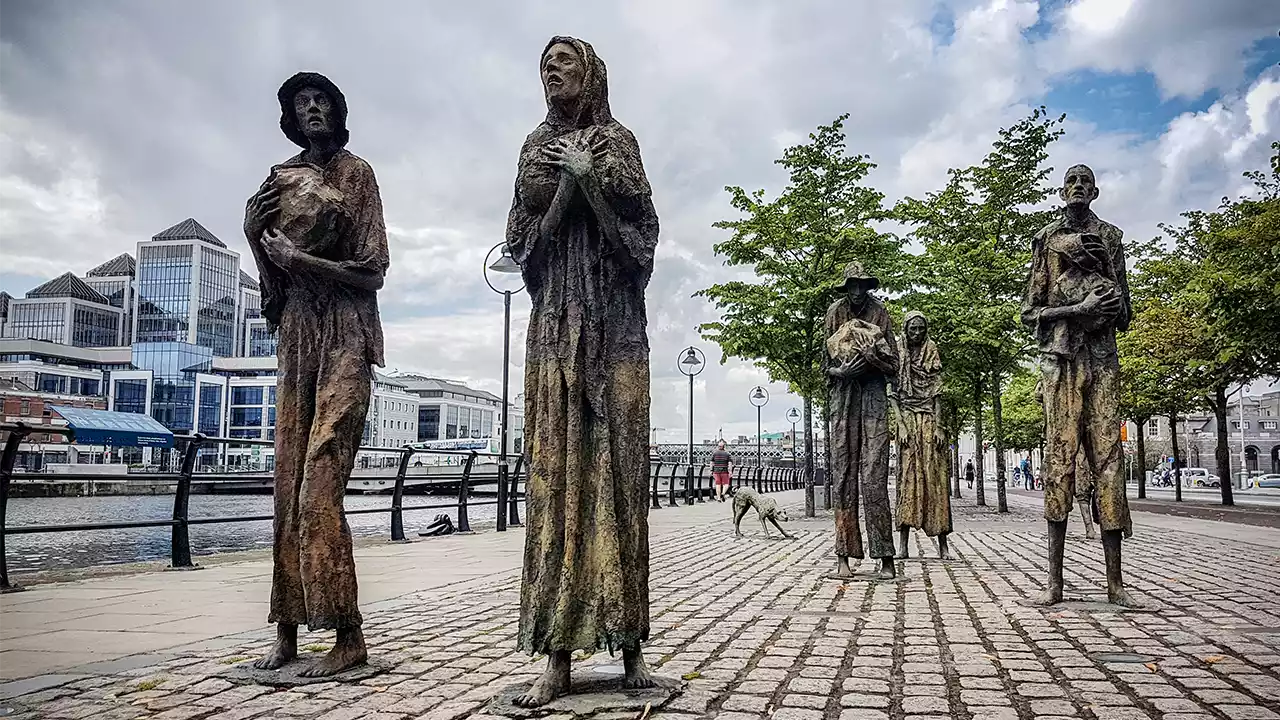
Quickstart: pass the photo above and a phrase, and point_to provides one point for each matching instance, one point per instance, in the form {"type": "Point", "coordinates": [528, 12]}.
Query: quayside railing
{"type": "Point", "coordinates": [763, 479]}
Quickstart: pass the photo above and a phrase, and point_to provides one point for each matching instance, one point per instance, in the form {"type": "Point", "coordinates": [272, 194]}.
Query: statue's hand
{"type": "Point", "coordinates": [575, 158]}
{"type": "Point", "coordinates": [1095, 247]}
{"type": "Point", "coordinates": [280, 249]}
{"type": "Point", "coordinates": [262, 208]}
{"type": "Point", "coordinates": [1100, 302]}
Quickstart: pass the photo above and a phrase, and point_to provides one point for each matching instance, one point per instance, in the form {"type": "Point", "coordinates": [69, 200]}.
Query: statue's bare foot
{"type": "Point", "coordinates": [887, 570]}
{"type": "Point", "coordinates": [553, 682]}
{"type": "Point", "coordinates": [635, 672]}
{"type": "Point", "coordinates": [284, 650]}
{"type": "Point", "coordinates": [842, 570]}
{"type": "Point", "coordinates": [944, 553]}
{"type": "Point", "coordinates": [1122, 598]}
{"type": "Point", "coordinates": [348, 652]}
{"type": "Point", "coordinates": [1050, 596]}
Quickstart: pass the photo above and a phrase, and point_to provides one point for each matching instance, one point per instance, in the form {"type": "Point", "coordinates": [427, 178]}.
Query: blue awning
{"type": "Point", "coordinates": [103, 427]}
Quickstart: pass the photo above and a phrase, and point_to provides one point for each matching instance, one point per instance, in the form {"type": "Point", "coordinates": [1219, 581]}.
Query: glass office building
{"type": "Point", "coordinates": [188, 289]}
{"type": "Point", "coordinates": [173, 366]}
{"type": "Point", "coordinates": [114, 280]}
{"type": "Point", "coordinates": [65, 310]}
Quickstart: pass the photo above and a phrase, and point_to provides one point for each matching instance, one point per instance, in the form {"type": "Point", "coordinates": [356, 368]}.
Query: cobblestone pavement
{"type": "Point", "coordinates": [758, 632]}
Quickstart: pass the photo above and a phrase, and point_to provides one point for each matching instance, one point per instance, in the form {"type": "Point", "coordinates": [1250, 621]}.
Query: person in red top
{"type": "Point", "coordinates": [720, 462]}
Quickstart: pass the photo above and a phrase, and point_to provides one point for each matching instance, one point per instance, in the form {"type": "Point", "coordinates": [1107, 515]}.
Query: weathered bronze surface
{"type": "Point", "coordinates": [316, 230]}
{"type": "Point", "coordinates": [1077, 297]}
{"type": "Point", "coordinates": [924, 498]}
{"type": "Point", "coordinates": [860, 357]}
{"type": "Point", "coordinates": [583, 228]}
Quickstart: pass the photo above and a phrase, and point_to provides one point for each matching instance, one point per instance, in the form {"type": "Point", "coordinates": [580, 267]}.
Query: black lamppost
{"type": "Point", "coordinates": [691, 364]}
{"type": "Point", "coordinates": [759, 397]}
{"type": "Point", "coordinates": [507, 265]}
{"type": "Point", "coordinates": [793, 417]}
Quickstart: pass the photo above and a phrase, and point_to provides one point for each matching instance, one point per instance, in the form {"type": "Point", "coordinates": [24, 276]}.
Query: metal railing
{"type": "Point", "coordinates": [508, 478]}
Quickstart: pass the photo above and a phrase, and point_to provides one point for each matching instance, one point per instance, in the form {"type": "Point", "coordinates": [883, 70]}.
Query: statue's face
{"type": "Point", "coordinates": [1078, 187]}
{"type": "Point", "coordinates": [917, 331]}
{"type": "Point", "coordinates": [856, 291]}
{"type": "Point", "coordinates": [562, 73]}
{"type": "Point", "coordinates": [314, 110]}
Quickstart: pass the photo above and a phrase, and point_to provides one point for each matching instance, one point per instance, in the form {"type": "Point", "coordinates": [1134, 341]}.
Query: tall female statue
{"type": "Point", "coordinates": [924, 500]}
{"type": "Point", "coordinates": [583, 229]}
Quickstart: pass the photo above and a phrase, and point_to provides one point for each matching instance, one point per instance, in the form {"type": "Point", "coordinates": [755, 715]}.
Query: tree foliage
{"type": "Point", "coordinates": [797, 245]}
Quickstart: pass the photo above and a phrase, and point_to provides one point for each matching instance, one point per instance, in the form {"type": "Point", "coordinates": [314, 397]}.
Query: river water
{"type": "Point", "coordinates": [49, 551]}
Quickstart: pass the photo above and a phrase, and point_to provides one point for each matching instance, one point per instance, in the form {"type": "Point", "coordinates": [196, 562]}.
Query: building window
{"type": "Point", "coordinates": [210, 409]}
{"type": "Point", "coordinates": [131, 396]}
{"type": "Point", "coordinates": [451, 422]}
{"type": "Point", "coordinates": [241, 417]}
{"type": "Point", "coordinates": [1268, 425]}
{"type": "Point", "coordinates": [1153, 428]}
{"type": "Point", "coordinates": [428, 423]}
{"type": "Point", "coordinates": [246, 396]}
{"type": "Point", "coordinates": [1235, 424]}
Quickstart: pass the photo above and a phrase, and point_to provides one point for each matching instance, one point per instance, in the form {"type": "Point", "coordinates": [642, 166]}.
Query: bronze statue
{"type": "Point", "coordinates": [860, 357]}
{"type": "Point", "coordinates": [583, 228]}
{"type": "Point", "coordinates": [924, 498]}
{"type": "Point", "coordinates": [1077, 298]}
{"type": "Point", "coordinates": [316, 230]}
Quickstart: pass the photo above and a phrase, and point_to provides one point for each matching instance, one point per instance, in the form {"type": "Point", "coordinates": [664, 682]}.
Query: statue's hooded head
{"type": "Point", "coordinates": [576, 84]}
{"type": "Point", "coordinates": [323, 98]}
{"type": "Point", "coordinates": [916, 327]}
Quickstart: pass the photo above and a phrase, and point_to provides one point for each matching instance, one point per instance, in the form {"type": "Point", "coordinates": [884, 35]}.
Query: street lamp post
{"type": "Point", "coordinates": [507, 265]}
{"type": "Point", "coordinates": [759, 397]}
{"type": "Point", "coordinates": [793, 417]}
{"type": "Point", "coordinates": [691, 364]}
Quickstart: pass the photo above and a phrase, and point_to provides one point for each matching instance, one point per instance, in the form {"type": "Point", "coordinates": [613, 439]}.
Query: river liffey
{"type": "Point", "coordinates": [51, 551]}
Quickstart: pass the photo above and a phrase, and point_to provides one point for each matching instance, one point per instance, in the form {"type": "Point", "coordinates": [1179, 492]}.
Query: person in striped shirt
{"type": "Point", "coordinates": [720, 462]}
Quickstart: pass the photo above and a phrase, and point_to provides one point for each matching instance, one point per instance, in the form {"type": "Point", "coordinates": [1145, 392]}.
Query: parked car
{"type": "Point", "coordinates": [1270, 480]}
{"type": "Point", "coordinates": [1200, 477]}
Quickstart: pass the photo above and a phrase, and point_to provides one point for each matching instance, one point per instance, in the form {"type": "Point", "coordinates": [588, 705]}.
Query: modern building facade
{"type": "Point", "coordinates": [179, 335]}
{"type": "Point", "coordinates": [66, 311]}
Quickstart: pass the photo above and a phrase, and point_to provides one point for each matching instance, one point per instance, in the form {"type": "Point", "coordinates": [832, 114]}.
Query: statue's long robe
{"type": "Point", "coordinates": [586, 561]}
{"type": "Point", "coordinates": [330, 335]}
{"type": "Point", "coordinates": [860, 435]}
{"type": "Point", "coordinates": [924, 499]}
{"type": "Point", "coordinates": [1080, 369]}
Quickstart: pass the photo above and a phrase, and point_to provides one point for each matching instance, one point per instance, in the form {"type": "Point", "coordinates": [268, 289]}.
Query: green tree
{"type": "Point", "coordinates": [1023, 411]}
{"type": "Point", "coordinates": [797, 244]}
{"type": "Point", "coordinates": [976, 237]}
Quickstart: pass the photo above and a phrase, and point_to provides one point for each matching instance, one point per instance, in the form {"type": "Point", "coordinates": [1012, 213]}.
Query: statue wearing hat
{"type": "Point", "coordinates": [860, 358]}
{"type": "Point", "coordinates": [317, 233]}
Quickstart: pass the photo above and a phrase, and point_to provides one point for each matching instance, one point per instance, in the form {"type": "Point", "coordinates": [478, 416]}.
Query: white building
{"type": "Point", "coordinates": [65, 311]}
{"type": "Point", "coordinates": [449, 410]}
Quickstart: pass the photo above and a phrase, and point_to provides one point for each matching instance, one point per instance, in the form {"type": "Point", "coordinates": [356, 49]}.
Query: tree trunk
{"type": "Point", "coordinates": [1222, 452]}
{"type": "Point", "coordinates": [1142, 456]}
{"type": "Point", "coordinates": [826, 445]}
{"type": "Point", "coordinates": [1177, 461]}
{"type": "Point", "coordinates": [1002, 504]}
{"type": "Point", "coordinates": [808, 458]}
{"type": "Point", "coordinates": [979, 460]}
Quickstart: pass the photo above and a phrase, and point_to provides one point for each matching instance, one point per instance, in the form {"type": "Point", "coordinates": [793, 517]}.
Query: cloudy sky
{"type": "Point", "coordinates": [119, 119]}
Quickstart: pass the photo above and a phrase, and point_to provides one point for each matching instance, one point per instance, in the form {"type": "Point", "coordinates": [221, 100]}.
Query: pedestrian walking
{"type": "Point", "coordinates": [1026, 473]}
{"type": "Point", "coordinates": [721, 461]}
{"type": "Point", "coordinates": [968, 473]}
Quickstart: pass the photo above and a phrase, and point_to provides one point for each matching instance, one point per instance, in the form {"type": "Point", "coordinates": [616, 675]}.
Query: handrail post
{"type": "Point", "coordinates": [701, 469]}
{"type": "Point", "coordinates": [688, 483]}
{"type": "Point", "coordinates": [501, 502]}
{"type": "Point", "coordinates": [464, 490]}
{"type": "Point", "coordinates": [9, 457]}
{"type": "Point", "coordinates": [513, 495]}
{"type": "Point", "coordinates": [656, 504]}
{"type": "Point", "coordinates": [180, 538]}
{"type": "Point", "coordinates": [671, 485]}
{"type": "Point", "coordinates": [397, 496]}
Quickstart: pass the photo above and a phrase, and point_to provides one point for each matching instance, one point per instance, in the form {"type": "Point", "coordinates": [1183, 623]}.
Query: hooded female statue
{"type": "Point", "coordinates": [924, 500]}
{"type": "Point", "coordinates": [583, 228]}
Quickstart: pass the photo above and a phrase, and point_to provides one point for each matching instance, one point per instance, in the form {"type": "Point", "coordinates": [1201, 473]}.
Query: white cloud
{"type": "Point", "coordinates": [107, 137]}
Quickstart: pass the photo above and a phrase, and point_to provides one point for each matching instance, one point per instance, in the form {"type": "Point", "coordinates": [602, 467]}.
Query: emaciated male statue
{"type": "Point", "coordinates": [1077, 297]}
{"type": "Point", "coordinates": [860, 357]}
{"type": "Point", "coordinates": [316, 230]}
